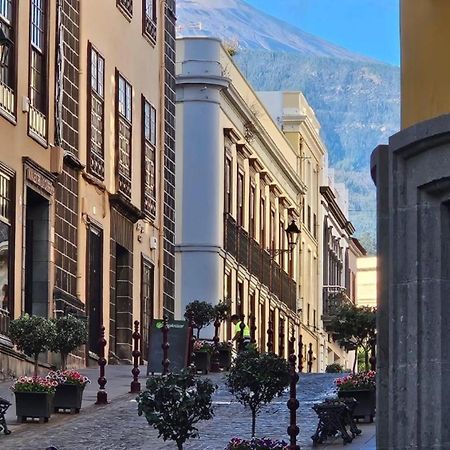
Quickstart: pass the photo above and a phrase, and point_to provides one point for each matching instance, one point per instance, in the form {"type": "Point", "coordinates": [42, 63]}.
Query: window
{"type": "Point", "coordinates": [228, 186]}
{"type": "Point", "coordinates": [272, 229]}
{"type": "Point", "coordinates": [281, 243]}
{"type": "Point", "coordinates": [149, 158]}
{"type": "Point", "coordinates": [240, 199]}
{"type": "Point", "coordinates": [315, 225]}
{"type": "Point", "coordinates": [96, 100]}
{"type": "Point", "coordinates": [149, 18]}
{"type": "Point", "coordinates": [309, 314]}
{"type": "Point", "coordinates": [124, 119]}
{"type": "Point", "coordinates": [7, 65]}
{"type": "Point", "coordinates": [309, 218]}
{"type": "Point", "coordinates": [6, 253]}
{"type": "Point", "coordinates": [38, 91]}
{"type": "Point", "coordinates": [252, 211]}
{"type": "Point", "coordinates": [262, 222]}
{"type": "Point", "coordinates": [125, 6]}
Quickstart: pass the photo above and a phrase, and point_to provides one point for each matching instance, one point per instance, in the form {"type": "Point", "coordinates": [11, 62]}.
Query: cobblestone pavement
{"type": "Point", "coordinates": [117, 425]}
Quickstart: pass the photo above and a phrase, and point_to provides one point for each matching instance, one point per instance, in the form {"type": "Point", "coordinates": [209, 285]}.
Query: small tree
{"type": "Point", "coordinates": [174, 403]}
{"type": "Point", "coordinates": [222, 311]}
{"type": "Point", "coordinates": [202, 314]}
{"type": "Point", "coordinates": [354, 327]}
{"type": "Point", "coordinates": [256, 379]}
{"type": "Point", "coordinates": [32, 335]}
{"type": "Point", "coordinates": [71, 332]}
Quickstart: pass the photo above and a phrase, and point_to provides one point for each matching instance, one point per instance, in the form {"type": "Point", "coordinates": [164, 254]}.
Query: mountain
{"type": "Point", "coordinates": [356, 99]}
{"type": "Point", "coordinates": [237, 20]}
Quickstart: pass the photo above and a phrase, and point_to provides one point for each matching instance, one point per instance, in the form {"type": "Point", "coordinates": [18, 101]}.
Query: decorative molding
{"type": "Point", "coordinates": [124, 207]}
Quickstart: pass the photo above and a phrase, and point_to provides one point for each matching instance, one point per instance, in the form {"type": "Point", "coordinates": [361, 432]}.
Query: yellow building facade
{"type": "Point", "coordinates": [366, 281]}
{"type": "Point", "coordinates": [425, 72]}
{"type": "Point", "coordinates": [87, 157]}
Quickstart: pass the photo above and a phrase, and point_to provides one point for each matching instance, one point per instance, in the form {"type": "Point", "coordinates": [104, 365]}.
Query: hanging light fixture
{"type": "Point", "coordinates": [5, 45]}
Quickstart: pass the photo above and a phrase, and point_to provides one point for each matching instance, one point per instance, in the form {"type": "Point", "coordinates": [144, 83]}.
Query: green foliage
{"type": "Point", "coordinates": [71, 332]}
{"type": "Point", "coordinates": [174, 403]}
{"type": "Point", "coordinates": [354, 327]}
{"type": "Point", "coordinates": [202, 314]}
{"type": "Point", "coordinates": [222, 311]}
{"type": "Point", "coordinates": [334, 368]}
{"type": "Point", "coordinates": [32, 335]}
{"type": "Point", "coordinates": [256, 379]}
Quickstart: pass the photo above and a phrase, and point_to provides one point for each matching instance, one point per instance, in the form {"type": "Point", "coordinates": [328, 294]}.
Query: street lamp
{"type": "Point", "coordinates": [293, 233]}
{"type": "Point", "coordinates": [5, 44]}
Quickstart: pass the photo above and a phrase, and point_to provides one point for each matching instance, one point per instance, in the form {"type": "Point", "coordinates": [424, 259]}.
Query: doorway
{"type": "Point", "coordinates": [147, 303]}
{"type": "Point", "coordinates": [95, 286]}
{"type": "Point", "coordinates": [37, 252]}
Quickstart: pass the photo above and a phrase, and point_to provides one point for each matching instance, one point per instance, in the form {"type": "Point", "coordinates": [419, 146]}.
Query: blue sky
{"type": "Point", "coordinates": [369, 27]}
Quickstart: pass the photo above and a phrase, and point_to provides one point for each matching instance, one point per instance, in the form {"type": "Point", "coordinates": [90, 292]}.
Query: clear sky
{"type": "Point", "coordinates": [368, 27]}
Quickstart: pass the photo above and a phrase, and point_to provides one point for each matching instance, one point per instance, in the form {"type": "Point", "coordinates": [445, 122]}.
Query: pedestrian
{"type": "Point", "coordinates": [243, 341]}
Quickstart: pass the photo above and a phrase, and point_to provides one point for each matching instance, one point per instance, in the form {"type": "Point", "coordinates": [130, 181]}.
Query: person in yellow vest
{"type": "Point", "coordinates": [243, 341]}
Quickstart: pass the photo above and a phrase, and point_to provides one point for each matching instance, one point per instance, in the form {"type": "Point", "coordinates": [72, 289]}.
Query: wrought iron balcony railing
{"type": "Point", "coordinates": [37, 123]}
{"type": "Point", "coordinates": [259, 263]}
{"type": "Point", "coordinates": [333, 298]}
{"type": "Point", "coordinates": [4, 322]}
{"type": "Point", "coordinates": [6, 99]}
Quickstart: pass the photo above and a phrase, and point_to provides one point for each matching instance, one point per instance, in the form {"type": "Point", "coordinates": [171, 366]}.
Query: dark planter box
{"type": "Point", "coordinates": [365, 409]}
{"type": "Point", "coordinates": [35, 405]}
{"type": "Point", "coordinates": [68, 397]}
{"type": "Point", "coordinates": [202, 361]}
{"type": "Point", "coordinates": [225, 358]}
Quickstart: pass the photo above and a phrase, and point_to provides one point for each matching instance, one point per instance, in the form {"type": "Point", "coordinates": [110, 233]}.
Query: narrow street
{"type": "Point", "coordinates": [117, 425]}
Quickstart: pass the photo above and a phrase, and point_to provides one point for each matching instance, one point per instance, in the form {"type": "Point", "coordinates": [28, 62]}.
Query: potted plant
{"type": "Point", "coordinates": [202, 313]}
{"type": "Point", "coordinates": [71, 332]}
{"type": "Point", "coordinates": [202, 355]}
{"type": "Point", "coordinates": [256, 379]}
{"type": "Point", "coordinates": [32, 335]}
{"type": "Point", "coordinates": [256, 444]}
{"type": "Point", "coordinates": [69, 392]}
{"type": "Point", "coordinates": [361, 387]}
{"type": "Point", "coordinates": [225, 349]}
{"type": "Point", "coordinates": [175, 403]}
{"type": "Point", "coordinates": [34, 397]}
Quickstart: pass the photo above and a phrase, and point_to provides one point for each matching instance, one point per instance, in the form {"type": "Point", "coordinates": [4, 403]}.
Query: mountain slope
{"type": "Point", "coordinates": [237, 20]}
{"type": "Point", "coordinates": [357, 100]}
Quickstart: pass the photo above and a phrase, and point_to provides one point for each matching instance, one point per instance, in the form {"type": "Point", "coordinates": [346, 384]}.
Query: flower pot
{"type": "Point", "coordinates": [35, 405]}
{"type": "Point", "coordinates": [225, 358]}
{"type": "Point", "coordinates": [202, 361]}
{"type": "Point", "coordinates": [365, 408]}
{"type": "Point", "coordinates": [68, 397]}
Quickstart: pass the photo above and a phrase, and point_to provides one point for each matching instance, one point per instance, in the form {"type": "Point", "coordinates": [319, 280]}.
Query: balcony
{"type": "Point", "coordinates": [333, 298]}
{"type": "Point", "coordinates": [37, 123]}
{"type": "Point", "coordinates": [7, 100]}
{"type": "Point", "coordinates": [258, 262]}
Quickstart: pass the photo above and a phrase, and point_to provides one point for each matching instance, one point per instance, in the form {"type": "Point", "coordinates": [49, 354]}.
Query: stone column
{"type": "Point", "coordinates": [199, 172]}
{"type": "Point", "coordinates": [412, 175]}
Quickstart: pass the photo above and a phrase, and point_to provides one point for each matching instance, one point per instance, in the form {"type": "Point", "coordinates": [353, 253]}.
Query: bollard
{"type": "Point", "coordinates": [300, 353]}
{"type": "Point", "coordinates": [190, 351]}
{"type": "Point", "coordinates": [241, 339]}
{"type": "Point", "coordinates": [165, 346]}
{"type": "Point", "coordinates": [270, 338]}
{"type": "Point", "coordinates": [310, 358]}
{"type": "Point", "coordinates": [293, 403]}
{"type": "Point", "coordinates": [215, 365]}
{"type": "Point", "coordinates": [281, 338]}
{"type": "Point", "coordinates": [135, 385]}
{"type": "Point", "coordinates": [102, 396]}
{"type": "Point", "coordinates": [253, 329]}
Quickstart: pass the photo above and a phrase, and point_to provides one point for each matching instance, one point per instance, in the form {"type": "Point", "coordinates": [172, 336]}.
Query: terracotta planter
{"type": "Point", "coordinates": [68, 397]}
{"type": "Point", "coordinates": [365, 408]}
{"type": "Point", "coordinates": [35, 405]}
{"type": "Point", "coordinates": [225, 358]}
{"type": "Point", "coordinates": [202, 361]}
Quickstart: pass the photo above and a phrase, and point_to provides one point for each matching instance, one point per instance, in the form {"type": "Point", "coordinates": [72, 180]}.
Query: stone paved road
{"type": "Point", "coordinates": [117, 426]}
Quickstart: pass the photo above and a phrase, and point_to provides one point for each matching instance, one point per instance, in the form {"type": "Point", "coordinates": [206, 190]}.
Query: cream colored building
{"type": "Point", "coordinates": [248, 164]}
{"type": "Point", "coordinates": [87, 165]}
{"type": "Point", "coordinates": [367, 281]}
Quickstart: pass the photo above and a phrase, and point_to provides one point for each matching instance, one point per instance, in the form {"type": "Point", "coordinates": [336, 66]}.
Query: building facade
{"type": "Point", "coordinates": [87, 153]}
{"type": "Point", "coordinates": [366, 281]}
{"type": "Point", "coordinates": [238, 189]}
{"type": "Point", "coordinates": [248, 164]}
